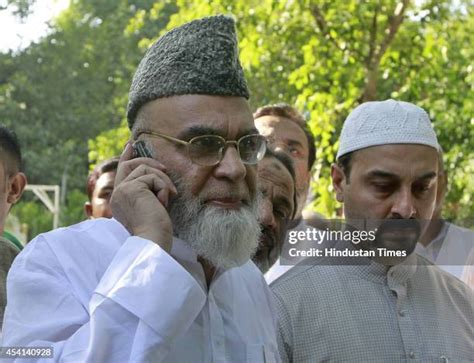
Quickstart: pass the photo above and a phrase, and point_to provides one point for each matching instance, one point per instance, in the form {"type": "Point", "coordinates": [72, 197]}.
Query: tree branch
{"type": "Point", "coordinates": [373, 38]}
{"type": "Point", "coordinates": [393, 27]}
{"type": "Point", "coordinates": [323, 26]}
{"type": "Point", "coordinates": [373, 62]}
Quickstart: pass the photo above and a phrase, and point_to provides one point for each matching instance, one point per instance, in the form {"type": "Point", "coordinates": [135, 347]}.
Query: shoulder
{"type": "Point", "coordinates": [442, 282]}
{"type": "Point", "coordinates": [95, 228]}
{"type": "Point", "coordinates": [84, 244]}
{"type": "Point", "coordinates": [298, 273]}
{"type": "Point", "coordinates": [460, 233]}
{"type": "Point", "coordinates": [7, 245]}
{"type": "Point", "coordinates": [305, 284]}
{"type": "Point", "coordinates": [8, 252]}
{"type": "Point", "coordinates": [87, 235]}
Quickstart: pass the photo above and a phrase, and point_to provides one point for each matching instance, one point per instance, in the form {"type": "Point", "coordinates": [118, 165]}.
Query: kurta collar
{"type": "Point", "coordinates": [371, 270]}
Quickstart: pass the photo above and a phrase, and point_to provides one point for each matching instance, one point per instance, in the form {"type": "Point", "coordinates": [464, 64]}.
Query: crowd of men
{"type": "Point", "coordinates": [181, 227]}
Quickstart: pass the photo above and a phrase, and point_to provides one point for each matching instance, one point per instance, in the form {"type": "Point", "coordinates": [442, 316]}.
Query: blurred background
{"type": "Point", "coordinates": [66, 67]}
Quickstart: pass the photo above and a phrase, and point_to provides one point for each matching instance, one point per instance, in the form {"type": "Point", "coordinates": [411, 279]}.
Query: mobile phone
{"type": "Point", "coordinates": [141, 150]}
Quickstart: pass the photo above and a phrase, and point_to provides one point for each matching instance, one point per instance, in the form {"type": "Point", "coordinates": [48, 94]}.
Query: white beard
{"type": "Point", "coordinates": [225, 238]}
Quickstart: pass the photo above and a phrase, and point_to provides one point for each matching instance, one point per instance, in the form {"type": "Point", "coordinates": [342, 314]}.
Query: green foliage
{"type": "Point", "coordinates": [108, 144]}
{"type": "Point", "coordinates": [326, 57]}
{"type": "Point", "coordinates": [35, 215]}
{"type": "Point", "coordinates": [69, 87]}
{"type": "Point", "coordinates": [73, 211]}
{"type": "Point", "coordinates": [39, 219]}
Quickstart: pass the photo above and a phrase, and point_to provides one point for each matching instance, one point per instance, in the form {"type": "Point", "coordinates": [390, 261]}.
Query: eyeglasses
{"type": "Point", "coordinates": [208, 150]}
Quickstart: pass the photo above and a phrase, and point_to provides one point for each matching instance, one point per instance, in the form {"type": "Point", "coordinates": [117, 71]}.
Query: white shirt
{"type": "Point", "coordinates": [96, 294]}
{"type": "Point", "coordinates": [278, 269]}
{"type": "Point", "coordinates": [450, 249]}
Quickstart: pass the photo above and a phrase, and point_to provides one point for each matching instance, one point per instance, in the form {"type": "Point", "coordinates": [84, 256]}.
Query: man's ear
{"type": "Point", "coordinates": [16, 187]}
{"type": "Point", "coordinates": [88, 209]}
{"type": "Point", "coordinates": [338, 181]}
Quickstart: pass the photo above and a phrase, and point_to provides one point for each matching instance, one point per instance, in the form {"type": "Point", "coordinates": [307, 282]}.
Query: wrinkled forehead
{"type": "Point", "coordinates": [225, 114]}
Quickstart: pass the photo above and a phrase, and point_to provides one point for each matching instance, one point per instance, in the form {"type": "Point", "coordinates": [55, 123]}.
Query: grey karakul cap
{"type": "Point", "coordinates": [386, 122]}
{"type": "Point", "coordinates": [200, 57]}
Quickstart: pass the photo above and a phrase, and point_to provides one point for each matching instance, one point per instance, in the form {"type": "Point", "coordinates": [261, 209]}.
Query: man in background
{"type": "Point", "coordinates": [12, 184]}
{"type": "Point", "coordinates": [446, 244]}
{"type": "Point", "coordinates": [100, 184]}
{"type": "Point", "coordinates": [276, 183]}
{"type": "Point", "coordinates": [286, 131]}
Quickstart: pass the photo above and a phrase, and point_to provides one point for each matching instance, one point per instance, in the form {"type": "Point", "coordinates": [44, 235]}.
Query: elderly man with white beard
{"type": "Point", "coordinates": [168, 279]}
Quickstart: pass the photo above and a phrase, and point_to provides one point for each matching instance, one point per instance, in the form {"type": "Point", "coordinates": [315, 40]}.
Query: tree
{"type": "Point", "coordinates": [66, 95]}
{"type": "Point", "coordinates": [327, 57]}
{"type": "Point", "coordinates": [71, 85]}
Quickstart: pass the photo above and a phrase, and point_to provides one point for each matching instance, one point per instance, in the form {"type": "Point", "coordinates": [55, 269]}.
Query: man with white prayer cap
{"type": "Point", "coordinates": [169, 277]}
{"type": "Point", "coordinates": [379, 302]}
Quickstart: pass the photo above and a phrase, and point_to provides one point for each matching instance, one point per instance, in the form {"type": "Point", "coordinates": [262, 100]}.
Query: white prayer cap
{"type": "Point", "coordinates": [386, 122]}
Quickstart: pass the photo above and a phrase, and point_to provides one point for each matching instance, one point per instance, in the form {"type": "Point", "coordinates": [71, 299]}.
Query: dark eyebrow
{"type": "Point", "coordinates": [428, 175]}
{"type": "Point", "coordinates": [387, 175]}
{"type": "Point", "coordinates": [194, 131]}
{"type": "Point", "coordinates": [382, 174]}
{"type": "Point", "coordinates": [294, 142]}
{"type": "Point", "coordinates": [250, 131]}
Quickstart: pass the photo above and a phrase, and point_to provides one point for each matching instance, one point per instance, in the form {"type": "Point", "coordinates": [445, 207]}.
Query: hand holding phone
{"type": "Point", "coordinates": [141, 194]}
{"type": "Point", "coordinates": [141, 150]}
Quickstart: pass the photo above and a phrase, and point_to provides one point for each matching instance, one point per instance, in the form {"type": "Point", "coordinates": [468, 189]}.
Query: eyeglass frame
{"type": "Point", "coordinates": [222, 151]}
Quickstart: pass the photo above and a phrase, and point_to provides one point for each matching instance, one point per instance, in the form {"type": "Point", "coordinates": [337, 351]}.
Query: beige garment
{"type": "Point", "coordinates": [8, 253]}
{"type": "Point", "coordinates": [468, 273]}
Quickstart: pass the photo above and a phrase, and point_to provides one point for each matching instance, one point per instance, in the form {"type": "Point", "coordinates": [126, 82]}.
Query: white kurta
{"type": "Point", "coordinates": [97, 294]}
{"type": "Point", "coordinates": [450, 249]}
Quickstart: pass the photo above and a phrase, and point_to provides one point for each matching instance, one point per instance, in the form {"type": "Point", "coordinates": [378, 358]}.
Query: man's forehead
{"type": "Point", "coordinates": [104, 178]}
{"type": "Point", "coordinates": [178, 113]}
{"type": "Point", "coordinates": [397, 159]}
{"type": "Point", "coordinates": [281, 129]}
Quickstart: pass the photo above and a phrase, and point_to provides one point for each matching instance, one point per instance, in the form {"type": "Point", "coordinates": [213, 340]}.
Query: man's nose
{"type": "Point", "coordinates": [266, 216]}
{"type": "Point", "coordinates": [231, 166]}
{"type": "Point", "coordinates": [404, 205]}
